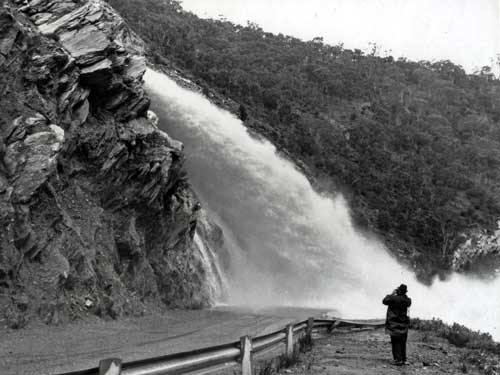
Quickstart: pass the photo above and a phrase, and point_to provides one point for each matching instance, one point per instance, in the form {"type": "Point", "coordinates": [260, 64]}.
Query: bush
{"type": "Point", "coordinates": [458, 335]}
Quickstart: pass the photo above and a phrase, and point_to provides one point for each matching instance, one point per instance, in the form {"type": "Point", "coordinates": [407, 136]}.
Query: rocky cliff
{"type": "Point", "coordinates": [96, 214]}
{"type": "Point", "coordinates": [479, 253]}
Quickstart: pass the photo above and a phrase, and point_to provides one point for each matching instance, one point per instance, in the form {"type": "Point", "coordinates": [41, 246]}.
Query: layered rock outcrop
{"type": "Point", "coordinates": [479, 253]}
{"type": "Point", "coordinates": [95, 210]}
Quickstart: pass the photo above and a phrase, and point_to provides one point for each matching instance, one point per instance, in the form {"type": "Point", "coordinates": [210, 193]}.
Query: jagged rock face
{"type": "Point", "coordinates": [479, 253]}
{"type": "Point", "coordinates": [110, 57]}
{"type": "Point", "coordinates": [96, 214]}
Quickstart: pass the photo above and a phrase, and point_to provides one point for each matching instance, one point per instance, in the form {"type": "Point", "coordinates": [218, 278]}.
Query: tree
{"type": "Point", "coordinates": [243, 115]}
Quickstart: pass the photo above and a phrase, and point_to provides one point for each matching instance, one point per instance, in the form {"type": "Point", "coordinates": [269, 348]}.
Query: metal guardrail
{"type": "Point", "coordinates": [215, 358]}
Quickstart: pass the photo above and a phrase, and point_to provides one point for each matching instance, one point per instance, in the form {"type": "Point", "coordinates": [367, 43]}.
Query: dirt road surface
{"type": "Point", "coordinates": [44, 350]}
{"type": "Point", "coordinates": [369, 352]}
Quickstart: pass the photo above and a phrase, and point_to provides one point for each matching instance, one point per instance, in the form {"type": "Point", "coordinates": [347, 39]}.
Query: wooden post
{"type": "Point", "coordinates": [309, 331]}
{"type": "Point", "coordinates": [246, 355]}
{"type": "Point", "coordinates": [334, 325]}
{"type": "Point", "coordinates": [289, 341]}
{"type": "Point", "coordinates": [110, 366]}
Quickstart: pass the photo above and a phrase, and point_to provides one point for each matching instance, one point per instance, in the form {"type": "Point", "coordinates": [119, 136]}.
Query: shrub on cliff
{"type": "Point", "coordinates": [458, 335]}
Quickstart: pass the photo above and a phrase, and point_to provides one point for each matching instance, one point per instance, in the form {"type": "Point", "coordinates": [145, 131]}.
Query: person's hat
{"type": "Point", "coordinates": [403, 288]}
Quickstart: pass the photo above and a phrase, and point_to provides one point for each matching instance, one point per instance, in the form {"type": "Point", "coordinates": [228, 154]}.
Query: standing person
{"type": "Point", "coordinates": [397, 322]}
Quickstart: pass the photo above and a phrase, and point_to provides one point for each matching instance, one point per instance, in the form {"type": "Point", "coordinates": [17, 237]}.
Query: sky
{"type": "Point", "coordinates": [466, 32]}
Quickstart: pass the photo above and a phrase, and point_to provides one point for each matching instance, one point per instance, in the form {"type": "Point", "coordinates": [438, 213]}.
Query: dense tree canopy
{"type": "Point", "coordinates": [414, 145]}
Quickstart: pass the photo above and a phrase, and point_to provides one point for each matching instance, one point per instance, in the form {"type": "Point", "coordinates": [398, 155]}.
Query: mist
{"type": "Point", "coordinates": [290, 245]}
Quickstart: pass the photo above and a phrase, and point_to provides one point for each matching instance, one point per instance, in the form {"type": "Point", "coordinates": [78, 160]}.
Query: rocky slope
{"type": "Point", "coordinates": [96, 214]}
{"type": "Point", "coordinates": [479, 253]}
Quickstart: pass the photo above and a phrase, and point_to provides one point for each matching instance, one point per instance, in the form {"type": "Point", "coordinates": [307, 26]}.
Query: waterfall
{"type": "Point", "coordinates": [288, 244]}
{"type": "Point", "coordinates": [215, 277]}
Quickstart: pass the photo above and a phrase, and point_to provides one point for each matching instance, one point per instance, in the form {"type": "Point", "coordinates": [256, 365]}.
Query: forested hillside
{"type": "Point", "coordinates": [414, 146]}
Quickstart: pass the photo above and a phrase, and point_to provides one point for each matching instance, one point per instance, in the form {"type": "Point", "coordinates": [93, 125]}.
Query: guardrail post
{"type": "Point", "coordinates": [110, 366]}
{"type": "Point", "coordinates": [334, 325]}
{"type": "Point", "coordinates": [289, 341]}
{"type": "Point", "coordinates": [310, 326]}
{"type": "Point", "coordinates": [246, 355]}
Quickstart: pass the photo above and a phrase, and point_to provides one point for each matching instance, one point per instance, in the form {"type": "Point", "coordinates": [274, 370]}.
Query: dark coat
{"type": "Point", "coordinates": [397, 321]}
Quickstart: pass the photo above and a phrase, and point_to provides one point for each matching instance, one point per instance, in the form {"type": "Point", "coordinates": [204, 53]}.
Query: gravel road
{"type": "Point", "coordinates": [369, 352]}
{"type": "Point", "coordinates": [44, 350]}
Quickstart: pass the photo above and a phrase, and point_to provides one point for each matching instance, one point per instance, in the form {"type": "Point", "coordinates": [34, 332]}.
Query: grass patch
{"type": "Point", "coordinates": [274, 365]}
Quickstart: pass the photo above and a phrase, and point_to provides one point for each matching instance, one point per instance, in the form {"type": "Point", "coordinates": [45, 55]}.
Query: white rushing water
{"type": "Point", "coordinates": [215, 283]}
{"type": "Point", "coordinates": [290, 245]}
